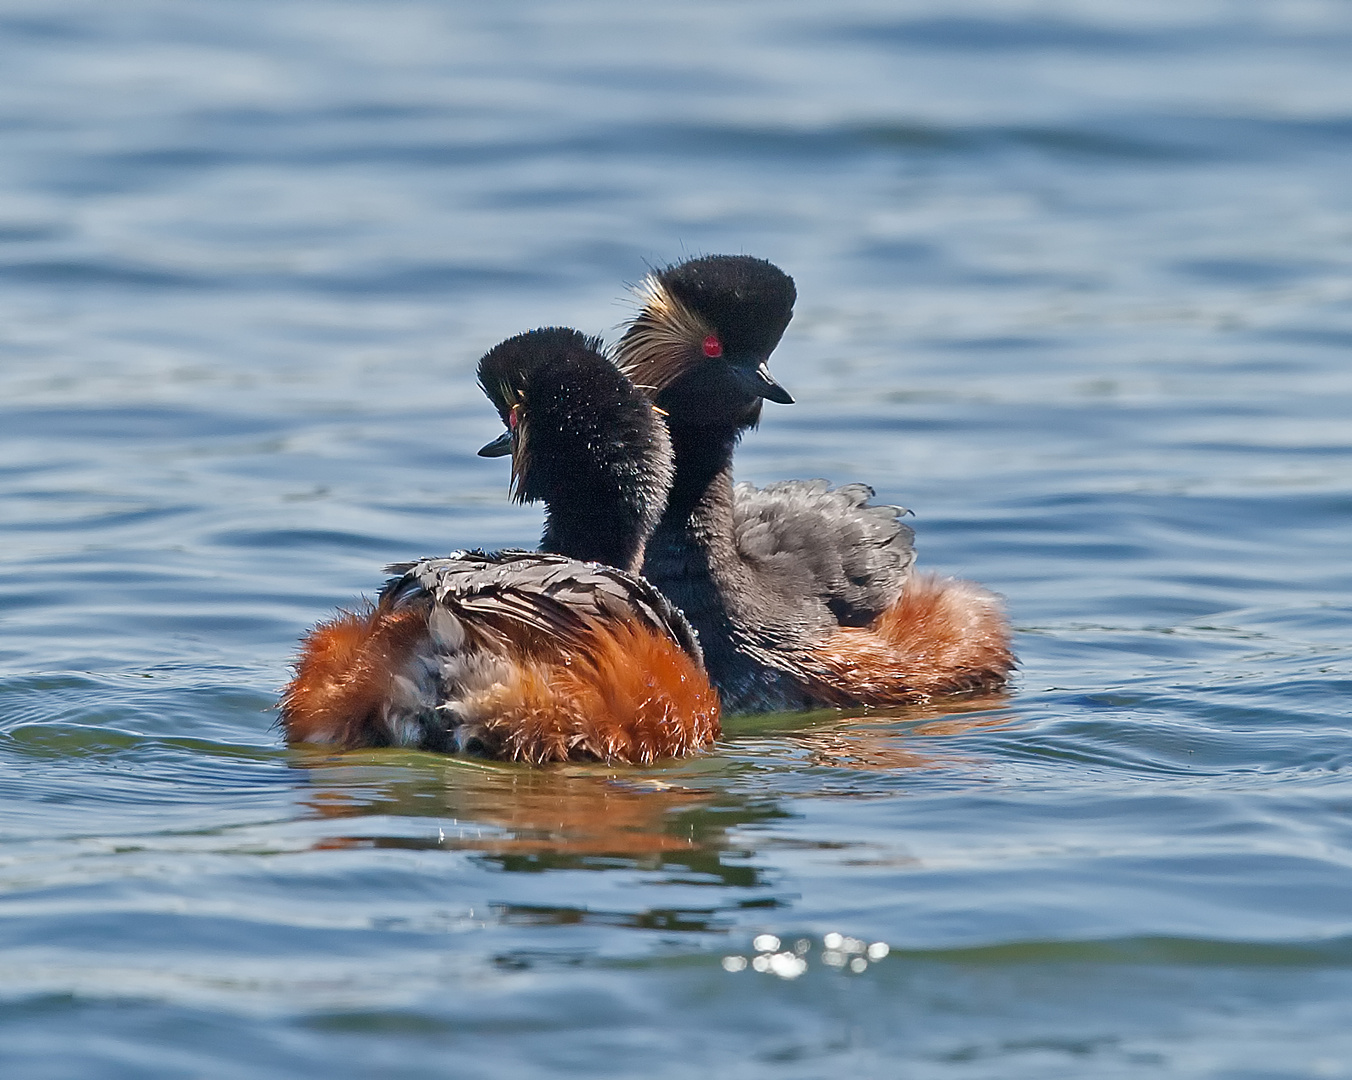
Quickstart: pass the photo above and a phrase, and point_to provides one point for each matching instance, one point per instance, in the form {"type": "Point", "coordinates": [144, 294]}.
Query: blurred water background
{"type": "Point", "coordinates": [1075, 285]}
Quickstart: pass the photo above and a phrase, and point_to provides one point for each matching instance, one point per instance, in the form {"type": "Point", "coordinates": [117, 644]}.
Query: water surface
{"type": "Point", "coordinates": [1076, 286]}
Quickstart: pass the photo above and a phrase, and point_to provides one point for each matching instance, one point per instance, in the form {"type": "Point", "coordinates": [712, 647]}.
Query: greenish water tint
{"type": "Point", "coordinates": [1076, 286]}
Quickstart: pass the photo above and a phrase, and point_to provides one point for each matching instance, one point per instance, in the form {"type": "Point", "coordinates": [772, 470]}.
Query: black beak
{"type": "Point", "coordinates": [499, 447]}
{"type": "Point", "coordinates": [760, 382]}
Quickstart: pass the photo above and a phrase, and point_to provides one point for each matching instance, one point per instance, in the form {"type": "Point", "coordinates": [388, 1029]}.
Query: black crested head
{"type": "Point", "coordinates": [701, 342]}
{"type": "Point", "coordinates": [508, 367]}
{"type": "Point", "coordinates": [583, 440]}
{"type": "Point", "coordinates": [747, 301]}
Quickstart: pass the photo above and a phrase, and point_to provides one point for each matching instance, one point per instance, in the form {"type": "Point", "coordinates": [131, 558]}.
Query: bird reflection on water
{"type": "Point", "coordinates": [532, 819]}
{"type": "Point", "coordinates": [884, 740]}
{"type": "Point", "coordinates": [897, 739]}
{"type": "Point", "coordinates": [689, 815]}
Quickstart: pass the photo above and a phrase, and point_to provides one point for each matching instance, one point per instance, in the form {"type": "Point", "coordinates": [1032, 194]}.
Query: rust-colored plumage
{"type": "Point", "coordinates": [345, 672]}
{"type": "Point", "coordinates": [628, 695]}
{"type": "Point", "coordinates": [617, 691]}
{"type": "Point", "coordinates": [944, 636]}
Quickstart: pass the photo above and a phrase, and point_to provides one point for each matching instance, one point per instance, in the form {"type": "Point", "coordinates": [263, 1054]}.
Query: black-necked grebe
{"type": "Point", "coordinates": [803, 595]}
{"type": "Point", "coordinates": [563, 654]}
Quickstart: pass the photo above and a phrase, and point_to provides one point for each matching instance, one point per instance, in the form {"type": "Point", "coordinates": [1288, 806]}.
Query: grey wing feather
{"type": "Point", "coordinates": [830, 543]}
{"type": "Point", "coordinates": [551, 594]}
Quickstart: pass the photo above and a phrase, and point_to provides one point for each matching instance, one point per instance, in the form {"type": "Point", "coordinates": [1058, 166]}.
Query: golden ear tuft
{"type": "Point", "coordinates": [520, 429]}
{"type": "Point", "coordinates": [664, 340]}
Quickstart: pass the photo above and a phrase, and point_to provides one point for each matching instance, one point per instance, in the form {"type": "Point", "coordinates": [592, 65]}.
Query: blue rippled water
{"type": "Point", "coordinates": [1076, 286]}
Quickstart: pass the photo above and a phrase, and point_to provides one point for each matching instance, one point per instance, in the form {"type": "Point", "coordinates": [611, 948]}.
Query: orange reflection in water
{"type": "Point", "coordinates": [878, 742]}
{"type": "Point", "coordinates": [515, 809]}
{"type": "Point", "coordinates": [571, 814]}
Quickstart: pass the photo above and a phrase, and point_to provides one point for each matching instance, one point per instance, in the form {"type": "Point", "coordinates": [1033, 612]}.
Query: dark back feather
{"type": "Point", "coordinates": [551, 596]}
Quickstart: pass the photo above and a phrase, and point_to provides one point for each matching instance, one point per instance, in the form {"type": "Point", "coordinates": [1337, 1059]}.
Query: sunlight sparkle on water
{"type": "Point", "coordinates": [838, 951]}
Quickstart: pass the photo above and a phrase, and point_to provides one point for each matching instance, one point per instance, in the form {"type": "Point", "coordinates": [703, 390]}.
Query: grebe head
{"type": "Point", "coordinates": [583, 440]}
{"type": "Point", "coordinates": [702, 340]}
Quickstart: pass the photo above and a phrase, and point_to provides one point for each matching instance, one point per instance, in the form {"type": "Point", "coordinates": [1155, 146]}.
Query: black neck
{"type": "Point", "coordinates": [703, 485]}
{"type": "Point", "coordinates": [595, 530]}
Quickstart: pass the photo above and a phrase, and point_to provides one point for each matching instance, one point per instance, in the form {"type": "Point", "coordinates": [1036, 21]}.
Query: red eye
{"type": "Point", "coordinates": [712, 346]}
{"type": "Point", "coordinates": [512, 419]}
